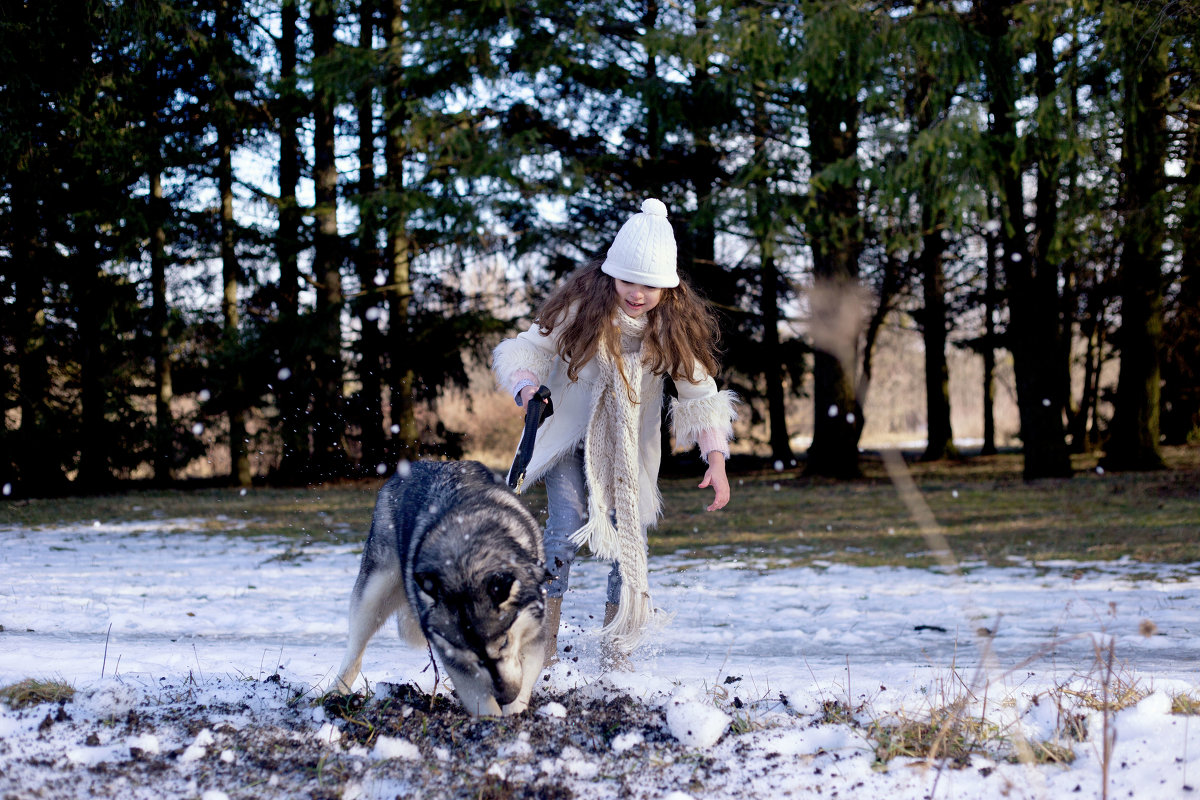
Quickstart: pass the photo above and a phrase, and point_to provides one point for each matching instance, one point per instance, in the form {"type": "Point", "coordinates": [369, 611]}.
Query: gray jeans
{"type": "Point", "coordinates": [566, 509]}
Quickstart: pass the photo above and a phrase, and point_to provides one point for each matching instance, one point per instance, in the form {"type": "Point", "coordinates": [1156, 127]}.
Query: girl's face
{"type": "Point", "coordinates": [637, 299]}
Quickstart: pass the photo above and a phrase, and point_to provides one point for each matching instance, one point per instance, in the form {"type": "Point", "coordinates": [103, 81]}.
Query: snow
{"type": "Point", "coordinates": [395, 747]}
{"type": "Point", "coordinates": [694, 721]}
{"type": "Point", "coordinates": [775, 674]}
{"type": "Point", "coordinates": [553, 710]}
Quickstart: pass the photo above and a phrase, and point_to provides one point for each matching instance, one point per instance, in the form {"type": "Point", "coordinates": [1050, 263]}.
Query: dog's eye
{"type": "Point", "coordinates": [499, 586]}
{"type": "Point", "coordinates": [429, 583]}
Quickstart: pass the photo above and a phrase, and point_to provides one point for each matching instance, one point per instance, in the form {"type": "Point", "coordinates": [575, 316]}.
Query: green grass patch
{"type": "Point", "coordinates": [983, 508]}
{"type": "Point", "coordinates": [324, 513]}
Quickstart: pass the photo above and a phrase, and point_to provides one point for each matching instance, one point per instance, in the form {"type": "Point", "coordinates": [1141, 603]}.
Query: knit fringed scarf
{"type": "Point", "coordinates": [611, 463]}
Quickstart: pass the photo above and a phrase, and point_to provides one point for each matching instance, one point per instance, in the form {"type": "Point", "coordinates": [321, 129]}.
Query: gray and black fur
{"type": "Point", "coordinates": [459, 559]}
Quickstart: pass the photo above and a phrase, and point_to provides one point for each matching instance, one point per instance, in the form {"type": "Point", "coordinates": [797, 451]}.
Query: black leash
{"type": "Point", "coordinates": [536, 410]}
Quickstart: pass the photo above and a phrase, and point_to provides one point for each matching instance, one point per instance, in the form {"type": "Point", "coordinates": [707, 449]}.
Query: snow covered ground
{"type": "Point", "coordinates": [765, 682]}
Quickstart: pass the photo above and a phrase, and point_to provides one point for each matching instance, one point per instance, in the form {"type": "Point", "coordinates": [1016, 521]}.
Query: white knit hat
{"type": "Point", "coordinates": [644, 250]}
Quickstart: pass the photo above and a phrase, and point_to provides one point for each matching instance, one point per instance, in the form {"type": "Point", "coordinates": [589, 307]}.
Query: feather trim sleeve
{"type": "Point", "coordinates": [705, 416]}
{"type": "Point", "coordinates": [522, 353]}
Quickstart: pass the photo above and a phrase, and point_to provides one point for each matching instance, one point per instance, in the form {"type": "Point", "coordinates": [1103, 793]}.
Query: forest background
{"type": "Point", "coordinates": [257, 241]}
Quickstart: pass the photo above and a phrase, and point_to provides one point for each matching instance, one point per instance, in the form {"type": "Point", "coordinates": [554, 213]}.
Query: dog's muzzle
{"type": "Point", "coordinates": [506, 694]}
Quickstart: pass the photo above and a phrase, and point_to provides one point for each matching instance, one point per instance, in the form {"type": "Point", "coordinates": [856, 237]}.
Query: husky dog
{"type": "Point", "coordinates": [459, 559]}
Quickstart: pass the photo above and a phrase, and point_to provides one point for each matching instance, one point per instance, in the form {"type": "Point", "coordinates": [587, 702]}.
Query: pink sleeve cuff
{"type": "Point", "coordinates": [711, 439]}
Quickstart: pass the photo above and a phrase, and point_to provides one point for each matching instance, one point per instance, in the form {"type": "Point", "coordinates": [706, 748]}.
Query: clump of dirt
{"type": "Point", "coordinates": [510, 757]}
{"type": "Point", "coordinates": [267, 739]}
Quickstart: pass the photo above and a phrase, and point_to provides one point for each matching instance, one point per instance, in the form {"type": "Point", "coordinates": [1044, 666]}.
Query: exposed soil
{"type": "Point", "coordinates": [268, 739]}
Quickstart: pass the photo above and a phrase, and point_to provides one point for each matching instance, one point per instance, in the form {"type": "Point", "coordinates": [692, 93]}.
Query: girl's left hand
{"type": "Point", "coordinates": [715, 477]}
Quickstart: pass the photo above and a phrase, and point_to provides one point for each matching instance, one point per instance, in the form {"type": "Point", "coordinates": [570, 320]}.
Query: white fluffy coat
{"type": "Point", "coordinates": [700, 407]}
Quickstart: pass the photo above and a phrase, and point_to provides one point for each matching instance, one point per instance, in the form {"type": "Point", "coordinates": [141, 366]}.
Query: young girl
{"type": "Point", "coordinates": [603, 342]}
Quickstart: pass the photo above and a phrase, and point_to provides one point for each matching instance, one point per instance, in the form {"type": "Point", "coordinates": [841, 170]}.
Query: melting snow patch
{"type": "Point", "coordinates": [576, 763]}
{"type": "Point", "coordinates": [519, 749]}
{"type": "Point", "coordinates": [627, 741]}
{"type": "Point", "coordinates": [553, 710]}
{"type": "Point", "coordinates": [113, 698]}
{"type": "Point", "coordinates": [198, 748]}
{"type": "Point", "coordinates": [695, 723]}
{"type": "Point", "coordinates": [328, 734]}
{"type": "Point", "coordinates": [395, 747]}
{"type": "Point", "coordinates": [147, 743]}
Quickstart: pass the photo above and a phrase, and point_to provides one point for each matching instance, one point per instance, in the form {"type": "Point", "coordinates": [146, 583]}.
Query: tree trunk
{"type": "Point", "coordinates": [1133, 442]}
{"type": "Point", "coordinates": [836, 244]}
{"type": "Point", "coordinates": [93, 462]}
{"type": "Point", "coordinates": [164, 424]}
{"type": "Point", "coordinates": [780, 439]}
{"type": "Point", "coordinates": [405, 437]}
{"type": "Point", "coordinates": [930, 265]}
{"type": "Point", "coordinates": [1073, 268]}
{"type": "Point", "coordinates": [329, 456]}
{"type": "Point", "coordinates": [230, 268]}
{"type": "Point", "coordinates": [292, 379]}
{"type": "Point", "coordinates": [1049, 273]}
{"type": "Point", "coordinates": [1032, 291]}
{"type": "Point", "coordinates": [32, 462]}
{"type": "Point", "coordinates": [1081, 423]}
{"type": "Point", "coordinates": [1181, 353]}
{"type": "Point", "coordinates": [370, 365]}
{"type": "Point", "coordinates": [989, 352]}
{"type": "Point", "coordinates": [940, 442]}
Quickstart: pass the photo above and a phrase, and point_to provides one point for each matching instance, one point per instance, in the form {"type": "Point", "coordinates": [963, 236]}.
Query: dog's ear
{"type": "Point", "coordinates": [499, 587]}
{"type": "Point", "coordinates": [430, 584]}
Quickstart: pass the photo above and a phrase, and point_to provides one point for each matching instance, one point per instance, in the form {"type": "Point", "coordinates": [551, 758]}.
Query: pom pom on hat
{"type": "Point", "coordinates": [656, 207]}
{"type": "Point", "coordinates": [644, 250]}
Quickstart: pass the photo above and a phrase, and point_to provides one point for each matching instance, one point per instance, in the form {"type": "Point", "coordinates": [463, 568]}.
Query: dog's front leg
{"type": "Point", "coordinates": [532, 657]}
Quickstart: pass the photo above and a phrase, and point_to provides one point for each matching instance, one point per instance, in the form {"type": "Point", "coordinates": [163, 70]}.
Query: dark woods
{"type": "Point", "coordinates": [288, 228]}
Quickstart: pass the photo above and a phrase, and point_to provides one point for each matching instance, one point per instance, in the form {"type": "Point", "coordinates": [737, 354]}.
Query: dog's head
{"type": "Point", "coordinates": [480, 597]}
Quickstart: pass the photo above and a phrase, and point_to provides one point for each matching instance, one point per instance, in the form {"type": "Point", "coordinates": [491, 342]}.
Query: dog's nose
{"type": "Point", "coordinates": [506, 694]}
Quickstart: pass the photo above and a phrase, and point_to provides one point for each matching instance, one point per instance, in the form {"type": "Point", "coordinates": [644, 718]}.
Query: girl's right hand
{"type": "Point", "coordinates": [716, 478]}
{"type": "Point", "coordinates": [526, 394]}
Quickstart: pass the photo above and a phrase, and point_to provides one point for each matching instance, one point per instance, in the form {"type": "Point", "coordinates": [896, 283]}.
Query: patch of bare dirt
{"type": "Point", "coordinates": [266, 739]}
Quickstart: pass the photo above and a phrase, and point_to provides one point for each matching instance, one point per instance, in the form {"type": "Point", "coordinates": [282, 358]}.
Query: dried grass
{"type": "Point", "coordinates": [32, 692]}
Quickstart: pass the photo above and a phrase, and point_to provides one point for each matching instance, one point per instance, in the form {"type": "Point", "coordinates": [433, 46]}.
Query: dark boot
{"type": "Point", "coordinates": [553, 615]}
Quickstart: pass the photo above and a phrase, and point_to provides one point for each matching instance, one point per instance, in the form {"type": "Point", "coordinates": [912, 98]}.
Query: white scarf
{"type": "Point", "coordinates": [611, 467]}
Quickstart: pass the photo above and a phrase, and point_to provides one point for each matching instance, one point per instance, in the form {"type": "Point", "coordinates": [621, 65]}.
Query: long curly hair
{"type": "Point", "coordinates": [681, 331]}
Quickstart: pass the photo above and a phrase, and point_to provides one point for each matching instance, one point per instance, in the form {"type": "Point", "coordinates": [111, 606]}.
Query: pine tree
{"type": "Point", "coordinates": [1032, 286]}
{"type": "Point", "coordinates": [836, 74]}
{"type": "Point", "coordinates": [1134, 436]}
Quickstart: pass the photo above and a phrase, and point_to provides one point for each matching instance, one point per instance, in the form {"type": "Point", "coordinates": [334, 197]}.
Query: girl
{"type": "Point", "coordinates": [602, 343]}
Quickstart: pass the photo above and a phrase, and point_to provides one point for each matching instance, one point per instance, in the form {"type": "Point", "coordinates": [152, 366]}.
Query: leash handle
{"type": "Point", "coordinates": [537, 409]}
